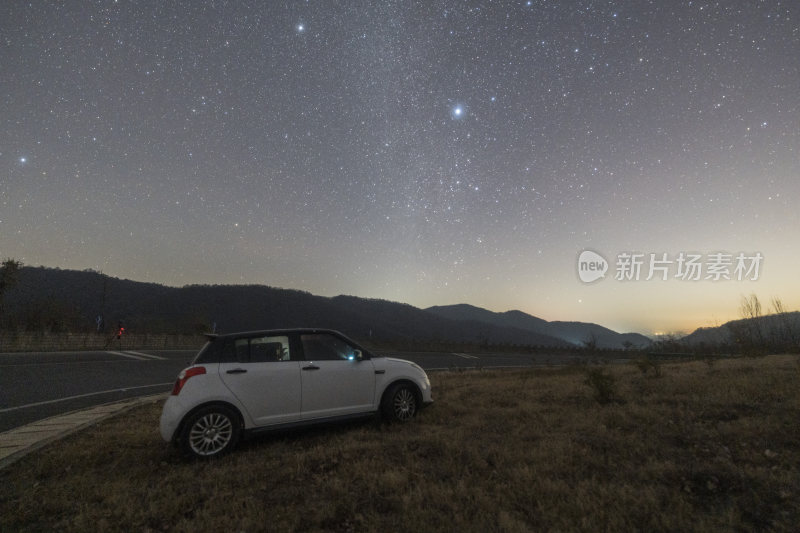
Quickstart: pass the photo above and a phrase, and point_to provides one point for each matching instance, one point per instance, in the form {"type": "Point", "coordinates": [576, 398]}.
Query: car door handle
{"type": "Point", "coordinates": [236, 371]}
{"type": "Point", "coordinates": [311, 367]}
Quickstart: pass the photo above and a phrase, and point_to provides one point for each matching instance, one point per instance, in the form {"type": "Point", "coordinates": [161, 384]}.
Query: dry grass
{"type": "Point", "coordinates": [700, 447]}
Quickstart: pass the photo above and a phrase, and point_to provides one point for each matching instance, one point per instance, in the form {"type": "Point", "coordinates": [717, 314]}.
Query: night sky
{"type": "Point", "coordinates": [424, 152]}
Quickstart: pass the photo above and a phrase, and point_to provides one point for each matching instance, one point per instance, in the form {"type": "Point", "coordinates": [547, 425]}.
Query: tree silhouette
{"type": "Point", "coordinates": [9, 275]}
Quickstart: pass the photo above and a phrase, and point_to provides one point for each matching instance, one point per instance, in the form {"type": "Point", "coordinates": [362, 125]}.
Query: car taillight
{"type": "Point", "coordinates": [184, 376]}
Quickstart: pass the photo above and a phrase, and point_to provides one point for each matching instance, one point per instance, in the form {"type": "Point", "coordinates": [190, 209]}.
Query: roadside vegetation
{"type": "Point", "coordinates": [705, 445]}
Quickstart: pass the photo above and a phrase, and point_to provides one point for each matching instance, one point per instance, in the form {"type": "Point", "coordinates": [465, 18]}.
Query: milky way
{"type": "Point", "coordinates": [425, 152]}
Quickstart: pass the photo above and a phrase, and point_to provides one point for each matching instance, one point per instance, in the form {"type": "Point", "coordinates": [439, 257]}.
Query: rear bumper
{"type": "Point", "coordinates": [171, 416]}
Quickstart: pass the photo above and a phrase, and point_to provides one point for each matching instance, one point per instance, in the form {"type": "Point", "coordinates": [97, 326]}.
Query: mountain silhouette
{"type": "Point", "coordinates": [574, 333]}
{"type": "Point", "coordinates": [67, 300]}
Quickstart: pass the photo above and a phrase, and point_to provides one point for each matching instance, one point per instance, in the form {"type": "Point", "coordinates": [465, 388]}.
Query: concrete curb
{"type": "Point", "coordinates": [19, 442]}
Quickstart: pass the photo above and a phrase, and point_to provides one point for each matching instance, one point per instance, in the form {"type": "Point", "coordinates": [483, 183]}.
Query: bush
{"type": "Point", "coordinates": [645, 363]}
{"type": "Point", "coordinates": [603, 384]}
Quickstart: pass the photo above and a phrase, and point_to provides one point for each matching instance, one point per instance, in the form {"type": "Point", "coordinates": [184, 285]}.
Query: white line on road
{"type": "Point", "coordinates": [139, 356]}
{"type": "Point", "coordinates": [465, 356]}
{"type": "Point", "coordinates": [131, 356]}
{"type": "Point", "coordinates": [470, 368]}
{"type": "Point", "coordinates": [147, 355]}
{"type": "Point", "coordinates": [7, 409]}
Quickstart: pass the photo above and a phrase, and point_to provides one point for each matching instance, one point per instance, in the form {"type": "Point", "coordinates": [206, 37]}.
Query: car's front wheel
{"type": "Point", "coordinates": [400, 403]}
{"type": "Point", "coordinates": [210, 431]}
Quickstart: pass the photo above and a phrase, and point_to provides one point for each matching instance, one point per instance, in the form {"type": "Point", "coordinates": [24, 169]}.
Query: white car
{"type": "Point", "coordinates": [264, 380]}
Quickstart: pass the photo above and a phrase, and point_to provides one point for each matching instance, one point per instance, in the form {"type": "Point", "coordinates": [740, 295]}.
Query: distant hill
{"type": "Point", "coordinates": [710, 336]}
{"type": "Point", "coordinates": [575, 333]}
{"type": "Point", "coordinates": [68, 300]}
{"type": "Point", "coordinates": [778, 331]}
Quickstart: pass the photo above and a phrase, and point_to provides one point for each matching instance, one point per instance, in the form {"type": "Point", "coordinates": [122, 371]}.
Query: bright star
{"type": "Point", "coordinates": [23, 160]}
{"type": "Point", "coordinates": [300, 27]}
{"type": "Point", "coordinates": [458, 111]}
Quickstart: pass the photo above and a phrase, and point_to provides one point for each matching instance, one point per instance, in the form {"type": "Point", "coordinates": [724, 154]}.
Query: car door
{"type": "Point", "coordinates": [335, 380]}
{"type": "Point", "coordinates": [263, 376]}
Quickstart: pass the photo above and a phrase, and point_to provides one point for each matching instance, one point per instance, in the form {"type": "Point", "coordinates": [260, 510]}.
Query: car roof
{"type": "Point", "coordinates": [212, 336]}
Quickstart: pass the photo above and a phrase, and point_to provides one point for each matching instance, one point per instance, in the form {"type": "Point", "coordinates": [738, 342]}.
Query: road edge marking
{"type": "Point", "coordinates": [147, 355]}
{"type": "Point", "coordinates": [128, 355]}
{"type": "Point", "coordinates": [124, 405]}
{"type": "Point", "coordinates": [46, 402]}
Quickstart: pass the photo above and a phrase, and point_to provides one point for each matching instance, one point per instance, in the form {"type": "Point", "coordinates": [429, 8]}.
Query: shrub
{"type": "Point", "coordinates": [645, 363]}
{"type": "Point", "coordinates": [603, 385]}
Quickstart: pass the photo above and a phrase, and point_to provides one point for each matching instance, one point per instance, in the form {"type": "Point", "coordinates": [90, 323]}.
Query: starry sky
{"type": "Point", "coordinates": [424, 152]}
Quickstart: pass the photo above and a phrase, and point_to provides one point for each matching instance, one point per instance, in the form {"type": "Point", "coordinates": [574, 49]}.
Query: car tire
{"type": "Point", "coordinates": [210, 432]}
{"type": "Point", "coordinates": [400, 403]}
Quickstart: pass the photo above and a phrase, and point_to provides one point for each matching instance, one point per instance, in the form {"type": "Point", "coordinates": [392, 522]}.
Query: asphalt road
{"type": "Point", "coordinates": [34, 386]}
{"type": "Point", "coordinates": [39, 385]}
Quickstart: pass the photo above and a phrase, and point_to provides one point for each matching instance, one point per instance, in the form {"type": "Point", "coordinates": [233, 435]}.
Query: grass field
{"type": "Point", "coordinates": [697, 446]}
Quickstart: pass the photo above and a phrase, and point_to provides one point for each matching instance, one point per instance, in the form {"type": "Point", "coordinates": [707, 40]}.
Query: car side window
{"type": "Point", "coordinates": [324, 347]}
{"type": "Point", "coordinates": [227, 353]}
{"type": "Point", "coordinates": [262, 349]}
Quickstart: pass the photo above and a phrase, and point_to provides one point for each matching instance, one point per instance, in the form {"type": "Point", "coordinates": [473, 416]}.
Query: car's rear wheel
{"type": "Point", "coordinates": [210, 431]}
{"type": "Point", "coordinates": [400, 403]}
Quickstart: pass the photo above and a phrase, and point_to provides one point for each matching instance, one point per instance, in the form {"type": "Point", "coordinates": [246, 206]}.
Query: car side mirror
{"type": "Point", "coordinates": [357, 355]}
